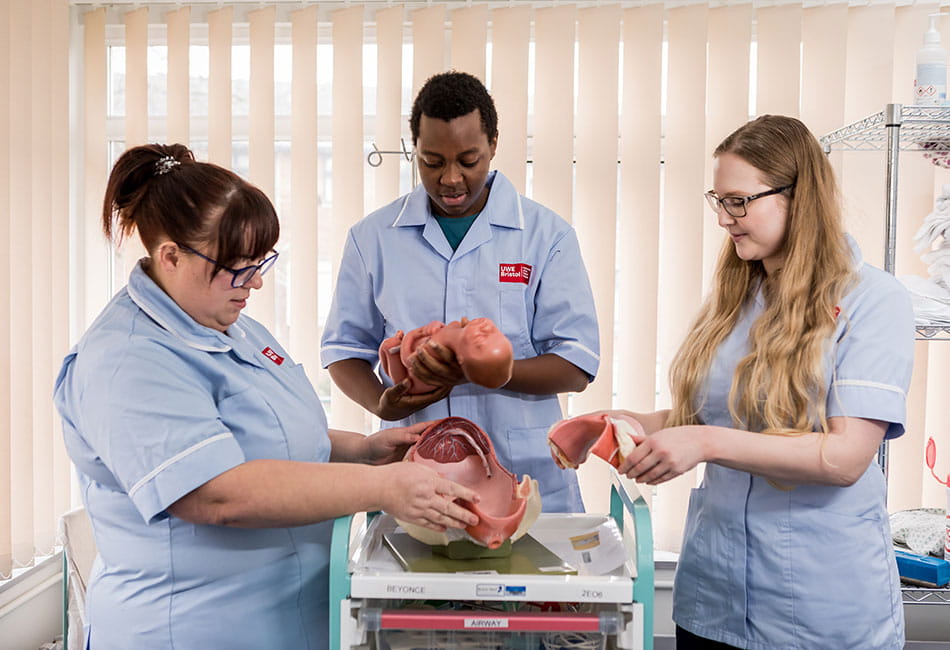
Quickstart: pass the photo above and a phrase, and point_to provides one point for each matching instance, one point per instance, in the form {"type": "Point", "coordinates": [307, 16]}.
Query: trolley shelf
{"type": "Point", "coordinates": [416, 619]}
{"type": "Point", "coordinates": [923, 128]}
{"type": "Point", "coordinates": [933, 332]}
{"type": "Point", "coordinates": [926, 595]}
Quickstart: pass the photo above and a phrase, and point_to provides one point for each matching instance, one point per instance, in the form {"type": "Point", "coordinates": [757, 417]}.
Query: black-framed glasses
{"type": "Point", "coordinates": [239, 277]}
{"type": "Point", "coordinates": [737, 206]}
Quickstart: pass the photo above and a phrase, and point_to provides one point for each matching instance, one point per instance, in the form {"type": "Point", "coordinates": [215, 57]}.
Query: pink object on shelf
{"type": "Point", "coordinates": [937, 151]}
{"type": "Point", "coordinates": [609, 437]}
{"type": "Point", "coordinates": [931, 459]}
{"type": "Point", "coordinates": [483, 352]}
{"type": "Point", "coordinates": [460, 451]}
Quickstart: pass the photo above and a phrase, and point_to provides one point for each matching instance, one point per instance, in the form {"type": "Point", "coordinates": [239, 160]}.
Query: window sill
{"type": "Point", "coordinates": [26, 582]}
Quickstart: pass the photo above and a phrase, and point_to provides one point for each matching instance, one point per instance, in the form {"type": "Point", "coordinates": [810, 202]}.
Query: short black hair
{"type": "Point", "coordinates": [452, 94]}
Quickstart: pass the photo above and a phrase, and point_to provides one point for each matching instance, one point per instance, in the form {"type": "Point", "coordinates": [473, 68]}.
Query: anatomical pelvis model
{"type": "Point", "coordinates": [459, 450]}
{"type": "Point", "coordinates": [483, 352]}
{"type": "Point", "coordinates": [609, 436]}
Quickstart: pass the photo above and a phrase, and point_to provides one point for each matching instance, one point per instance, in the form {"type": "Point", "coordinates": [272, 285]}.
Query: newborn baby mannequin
{"type": "Point", "coordinates": [608, 436]}
{"type": "Point", "coordinates": [483, 352]}
{"type": "Point", "coordinates": [460, 451]}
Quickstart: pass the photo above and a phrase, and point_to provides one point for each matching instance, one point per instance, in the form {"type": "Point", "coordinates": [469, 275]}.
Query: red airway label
{"type": "Point", "coordinates": [273, 356]}
{"type": "Point", "coordinates": [514, 273]}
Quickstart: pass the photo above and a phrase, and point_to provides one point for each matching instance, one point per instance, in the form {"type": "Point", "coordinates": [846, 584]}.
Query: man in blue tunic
{"type": "Point", "coordinates": [466, 244]}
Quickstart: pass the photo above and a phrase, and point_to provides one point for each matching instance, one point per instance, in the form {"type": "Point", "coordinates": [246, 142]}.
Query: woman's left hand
{"type": "Point", "coordinates": [665, 454]}
{"type": "Point", "coordinates": [390, 445]}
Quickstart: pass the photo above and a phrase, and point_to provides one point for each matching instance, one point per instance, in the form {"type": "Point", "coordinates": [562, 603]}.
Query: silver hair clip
{"type": "Point", "coordinates": [165, 164]}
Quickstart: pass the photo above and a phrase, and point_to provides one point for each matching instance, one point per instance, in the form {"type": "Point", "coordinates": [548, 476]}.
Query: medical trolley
{"type": "Point", "coordinates": [378, 602]}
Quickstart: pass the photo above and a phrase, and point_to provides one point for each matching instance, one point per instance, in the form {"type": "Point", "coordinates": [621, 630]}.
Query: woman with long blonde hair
{"type": "Point", "coordinates": [794, 371]}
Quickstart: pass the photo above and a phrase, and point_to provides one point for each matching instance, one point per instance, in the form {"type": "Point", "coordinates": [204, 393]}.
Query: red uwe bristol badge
{"type": "Point", "coordinates": [273, 356]}
{"type": "Point", "coordinates": [514, 273]}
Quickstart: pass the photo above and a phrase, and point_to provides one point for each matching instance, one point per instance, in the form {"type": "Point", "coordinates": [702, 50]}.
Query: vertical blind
{"type": "Point", "coordinates": [35, 206]}
{"type": "Point", "coordinates": [608, 114]}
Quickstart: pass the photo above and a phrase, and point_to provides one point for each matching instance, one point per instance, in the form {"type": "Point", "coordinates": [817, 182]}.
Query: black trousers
{"type": "Point", "coordinates": [689, 641]}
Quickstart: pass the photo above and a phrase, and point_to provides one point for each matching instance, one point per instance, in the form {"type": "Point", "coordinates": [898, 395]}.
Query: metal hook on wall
{"type": "Point", "coordinates": [375, 157]}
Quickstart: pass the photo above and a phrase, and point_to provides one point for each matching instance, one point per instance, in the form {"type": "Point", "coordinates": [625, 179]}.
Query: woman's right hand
{"type": "Point", "coordinates": [418, 495]}
{"type": "Point", "coordinates": [665, 454]}
{"type": "Point", "coordinates": [395, 403]}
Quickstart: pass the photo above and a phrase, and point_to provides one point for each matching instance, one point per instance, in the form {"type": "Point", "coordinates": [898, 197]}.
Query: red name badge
{"type": "Point", "coordinates": [273, 356]}
{"type": "Point", "coordinates": [514, 273]}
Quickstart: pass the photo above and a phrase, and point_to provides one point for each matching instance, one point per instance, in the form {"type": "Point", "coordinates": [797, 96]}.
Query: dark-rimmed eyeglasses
{"type": "Point", "coordinates": [737, 206]}
{"type": "Point", "coordinates": [239, 277]}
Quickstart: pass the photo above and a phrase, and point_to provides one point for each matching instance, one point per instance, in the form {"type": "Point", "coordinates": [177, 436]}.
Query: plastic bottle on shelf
{"type": "Point", "coordinates": [930, 84]}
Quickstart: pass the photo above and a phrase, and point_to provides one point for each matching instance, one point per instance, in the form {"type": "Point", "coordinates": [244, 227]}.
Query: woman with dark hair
{"type": "Point", "coordinates": [795, 370]}
{"type": "Point", "coordinates": [204, 457]}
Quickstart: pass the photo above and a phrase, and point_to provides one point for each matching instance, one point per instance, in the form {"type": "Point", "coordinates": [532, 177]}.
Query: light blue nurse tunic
{"type": "Point", "coordinates": [811, 567]}
{"type": "Point", "coordinates": [153, 406]}
{"type": "Point", "coordinates": [519, 265]}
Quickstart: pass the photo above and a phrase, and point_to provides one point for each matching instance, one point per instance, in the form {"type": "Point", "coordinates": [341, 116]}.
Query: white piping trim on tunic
{"type": "Point", "coordinates": [405, 203]}
{"type": "Point", "coordinates": [168, 328]}
{"type": "Point", "coordinates": [345, 348]}
{"type": "Point", "coordinates": [580, 346]}
{"type": "Point", "coordinates": [871, 384]}
{"type": "Point", "coordinates": [520, 213]}
{"type": "Point", "coordinates": [174, 459]}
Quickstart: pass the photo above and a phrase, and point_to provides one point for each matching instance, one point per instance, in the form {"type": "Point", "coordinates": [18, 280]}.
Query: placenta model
{"type": "Point", "coordinates": [606, 435]}
{"type": "Point", "coordinates": [482, 351]}
{"type": "Point", "coordinates": [459, 450]}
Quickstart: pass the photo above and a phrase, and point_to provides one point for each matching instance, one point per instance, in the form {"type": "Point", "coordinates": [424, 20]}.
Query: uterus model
{"type": "Point", "coordinates": [483, 352]}
{"type": "Point", "coordinates": [606, 435]}
{"type": "Point", "coordinates": [460, 451]}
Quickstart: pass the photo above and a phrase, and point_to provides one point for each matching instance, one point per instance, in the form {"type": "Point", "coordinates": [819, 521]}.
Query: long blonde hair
{"type": "Point", "coordinates": [779, 386]}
